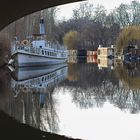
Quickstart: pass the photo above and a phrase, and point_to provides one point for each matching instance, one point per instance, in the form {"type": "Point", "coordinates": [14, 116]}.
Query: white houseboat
{"type": "Point", "coordinates": [37, 51]}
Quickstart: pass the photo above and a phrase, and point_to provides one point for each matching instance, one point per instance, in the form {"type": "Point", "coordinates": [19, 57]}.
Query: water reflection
{"type": "Point", "coordinates": [105, 123]}
{"type": "Point", "coordinates": [93, 87]}
{"type": "Point", "coordinates": [30, 96]}
{"type": "Point", "coordinates": [75, 99]}
{"type": "Point", "coordinates": [129, 74]}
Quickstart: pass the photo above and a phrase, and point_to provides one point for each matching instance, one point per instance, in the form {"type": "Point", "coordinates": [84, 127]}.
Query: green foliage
{"type": "Point", "coordinates": [129, 34]}
{"type": "Point", "coordinates": [128, 81]}
{"type": "Point", "coordinates": [71, 39]}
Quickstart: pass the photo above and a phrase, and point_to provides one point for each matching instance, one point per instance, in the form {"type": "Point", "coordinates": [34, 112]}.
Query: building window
{"type": "Point", "coordinates": [99, 52]}
{"type": "Point", "coordinates": [98, 61]}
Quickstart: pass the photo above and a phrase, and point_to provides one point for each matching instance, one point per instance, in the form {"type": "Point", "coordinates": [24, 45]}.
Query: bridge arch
{"type": "Point", "coordinates": [11, 10]}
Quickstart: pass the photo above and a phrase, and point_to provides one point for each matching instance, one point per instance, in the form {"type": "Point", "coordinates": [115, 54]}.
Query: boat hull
{"type": "Point", "coordinates": [30, 60]}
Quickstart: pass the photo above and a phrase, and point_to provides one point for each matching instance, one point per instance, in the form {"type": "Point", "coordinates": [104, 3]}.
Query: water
{"type": "Point", "coordinates": [77, 100]}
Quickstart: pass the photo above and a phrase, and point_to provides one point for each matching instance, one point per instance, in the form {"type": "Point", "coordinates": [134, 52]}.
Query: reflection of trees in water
{"type": "Point", "coordinates": [129, 75]}
{"type": "Point", "coordinates": [93, 88]}
{"type": "Point", "coordinates": [93, 96]}
{"type": "Point", "coordinates": [125, 99]}
{"type": "Point", "coordinates": [49, 114]}
{"type": "Point", "coordinates": [26, 106]}
{"type": "Point", "coordinates": [89, 75]}
{"type": "Point", "coordinates": [31, 112]}
{"type": "Point", "coordinates": [89, 89]}
{"type": "Point", "coordinates": [4, 88]}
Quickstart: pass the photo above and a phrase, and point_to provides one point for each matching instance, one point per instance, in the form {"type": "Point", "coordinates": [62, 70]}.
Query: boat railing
{"type": "Point", "coordinates": [29, 49]}
{"type": "Point", "coordinates": [42, 51]}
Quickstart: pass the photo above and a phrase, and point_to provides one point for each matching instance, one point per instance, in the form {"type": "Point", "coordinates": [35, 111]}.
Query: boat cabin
{"type": "Point", "coordinates": [39, 43]}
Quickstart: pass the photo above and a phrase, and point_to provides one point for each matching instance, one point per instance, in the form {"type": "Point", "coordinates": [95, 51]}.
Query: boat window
{"type": "Point", "coordinates": [45, 78]}
{"type": "Point", "coordinates": [40, 46]}
{"type": "Point", "coordinates": [42, 79]}
{"type": "Point", "coordinates": [42, 51]}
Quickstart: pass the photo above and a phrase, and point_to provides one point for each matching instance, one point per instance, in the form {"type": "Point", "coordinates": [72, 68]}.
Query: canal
{"type": "Point", "coordinates": [77, 100]}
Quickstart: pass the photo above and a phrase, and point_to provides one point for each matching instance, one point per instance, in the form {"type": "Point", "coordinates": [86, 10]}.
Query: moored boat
{"type": "Point", "coordinates": [37, 51]}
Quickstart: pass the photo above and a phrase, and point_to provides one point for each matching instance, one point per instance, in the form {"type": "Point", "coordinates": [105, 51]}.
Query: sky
{"type": "Point", "coordinates": [65, 11]}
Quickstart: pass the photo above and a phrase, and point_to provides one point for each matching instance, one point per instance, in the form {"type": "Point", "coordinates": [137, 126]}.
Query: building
{"type": "Point", "coordinates": [105, 63]}
{"type": "Point", "coordinates": [72, 52]}
{"type": "Point", "coordinates": [80, 52]}
{"type": "Point", "coordinates": [91, 59]}
{"type": "Point", "coordinates": [91, 53]}
{"type": "Point", "coordinates": [104, 57]}
{"type": "Point", "coordinates": [105, 52]}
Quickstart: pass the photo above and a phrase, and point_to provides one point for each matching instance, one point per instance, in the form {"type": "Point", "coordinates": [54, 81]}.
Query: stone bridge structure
{"type": "Point", "coordinates": [11, 10]}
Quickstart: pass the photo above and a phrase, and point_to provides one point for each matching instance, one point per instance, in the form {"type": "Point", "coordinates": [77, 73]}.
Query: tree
{"type": "Point", "coordinates": [127, 14]}
{"type": "Point", "coordinates": [50, 17]}
{"type": "Point", "coordinates": [100, 14]}
{"type": "Point", "coordinates": [128, 36]}
{"type": "Point", "coordinates": [84, 10]}
{"type": "Point", "coordinates": [71, 39]}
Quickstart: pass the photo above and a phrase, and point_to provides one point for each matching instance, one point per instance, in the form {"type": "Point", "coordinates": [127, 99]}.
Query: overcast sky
{"type": "Point", "coordinates": [66, 10]}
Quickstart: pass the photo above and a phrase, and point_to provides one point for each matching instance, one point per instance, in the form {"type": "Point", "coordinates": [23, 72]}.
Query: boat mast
{"type": "Point", "coordinates": [42, 25]}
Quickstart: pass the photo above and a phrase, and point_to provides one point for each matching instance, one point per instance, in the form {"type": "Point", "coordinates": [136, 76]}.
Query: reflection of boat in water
{"type": "Point", "coordinates": [37, 51]}
{"type": "Point", "coordinates": [32, 94]}
{"type": "Point", "coordinates": [131, 54]}
{"type": "Point", "coordinates": [38, 80]}
{"type": "Point", "coordinates": [26, 73]}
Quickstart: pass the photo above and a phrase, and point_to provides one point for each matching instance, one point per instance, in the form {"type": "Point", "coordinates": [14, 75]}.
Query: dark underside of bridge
{"type": "Point", "coordinates": [11, 129]}
{"type": "Point", "coordinates": [11, 10]}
